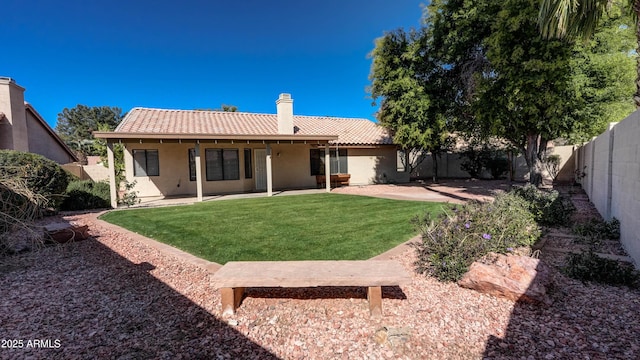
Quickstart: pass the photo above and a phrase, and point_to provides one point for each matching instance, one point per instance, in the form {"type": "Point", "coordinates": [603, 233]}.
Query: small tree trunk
{"type": "Point", "coordinates": [434, 156]}
{"type": "Point", "coordinates": [511, 163]}
{"type": "Point", "coordinates": [532, 156]}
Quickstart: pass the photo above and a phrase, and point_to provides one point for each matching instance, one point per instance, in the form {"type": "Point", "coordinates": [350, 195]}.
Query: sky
{"type": "Point", "coordinates": [192, 54]}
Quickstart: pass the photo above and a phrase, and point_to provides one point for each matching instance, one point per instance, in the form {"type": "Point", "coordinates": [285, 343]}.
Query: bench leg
{"type": "Point", "coordinates": [374, 295]}
{"type": "Point", "coordinates": [231, 298]}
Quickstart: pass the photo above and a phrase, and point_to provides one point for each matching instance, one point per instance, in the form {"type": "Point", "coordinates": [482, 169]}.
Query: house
{"type": "Point", "coordinates": [192, 152]}
{"type": "Point", "coordinates": [23, 129]}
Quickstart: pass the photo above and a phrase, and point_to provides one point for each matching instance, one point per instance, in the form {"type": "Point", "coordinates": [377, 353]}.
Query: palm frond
{"type": "Point", "coordinates": [570, 18]}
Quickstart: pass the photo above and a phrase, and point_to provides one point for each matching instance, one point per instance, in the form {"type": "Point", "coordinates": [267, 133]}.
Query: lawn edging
{"type": "Point", "coordinates": [166, 249]}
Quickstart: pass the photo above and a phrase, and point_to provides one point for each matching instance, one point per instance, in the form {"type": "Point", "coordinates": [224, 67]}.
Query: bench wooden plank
{"type": "Point", "coordinates": [235, 276]}
{"type": "Point", "coordinates": [310, 273]}
{"type": "Point", "coordinates": [374, 295]}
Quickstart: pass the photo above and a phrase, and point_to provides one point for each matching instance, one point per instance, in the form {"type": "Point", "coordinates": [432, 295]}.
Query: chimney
{"type": "Point", "coordinates": [13, 128]}
{"type": "Point", "coordinates": [284, 105]}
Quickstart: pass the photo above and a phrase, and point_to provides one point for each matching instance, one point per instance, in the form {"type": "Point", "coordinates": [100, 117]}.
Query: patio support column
{"type": "Point", "coordinates": [112, 175]}
{"type": "Point", "coordinates": [198, 172]}
{"type": "Point", "coordinates": [269, 172]}
{"type": "Point", "coordinates": [327, 167]}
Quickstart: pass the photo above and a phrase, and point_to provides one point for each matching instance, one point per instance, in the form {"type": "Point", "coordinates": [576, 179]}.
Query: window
{"type": "Point", "coordinates": [192, 164]}
{"type": "Point", "coordinates": [338, 164]}
{"type": "Point", "coordinates": [248, 169]}
{"type": "Point", "coordinates": [146, 163]}
{"type": "Point", "coordinates": [222, 164]}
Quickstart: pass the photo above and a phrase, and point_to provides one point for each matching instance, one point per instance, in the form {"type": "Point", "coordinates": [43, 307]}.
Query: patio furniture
{"type": "Point", "coordinates": [336, 180]}
{"type": "Point", "coordinates": [235, 276]}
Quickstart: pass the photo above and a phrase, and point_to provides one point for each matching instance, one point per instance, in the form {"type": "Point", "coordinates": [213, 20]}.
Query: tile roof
{"type": "Point", "coordinates": [162, 121]}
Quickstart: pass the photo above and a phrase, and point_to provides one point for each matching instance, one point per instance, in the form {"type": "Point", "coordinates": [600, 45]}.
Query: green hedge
{"type": "Point", "coordinates": [86, 194]}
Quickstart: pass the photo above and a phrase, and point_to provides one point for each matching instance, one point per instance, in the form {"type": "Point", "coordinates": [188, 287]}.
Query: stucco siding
{"type": "Point", "coordinates": [567, 162]}
{"type": "Point", "coordinates": [41, 142]}
{"type": "Point", "coordinates": [374, 165]}
{"type": "Point", "coordinates": [14, 129]}
{"type": "Point", "coordinates": [290, 163]}
{"type": "Point", "coordinates": [292, 166]}
{"type": "Point", "coordinates": [173, 179]}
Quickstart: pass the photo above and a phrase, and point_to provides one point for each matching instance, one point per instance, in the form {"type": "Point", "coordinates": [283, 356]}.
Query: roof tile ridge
{"type": "Point", "coordinates": [203, 111]}
{"type": "Point", "coordinates": [326, 117]}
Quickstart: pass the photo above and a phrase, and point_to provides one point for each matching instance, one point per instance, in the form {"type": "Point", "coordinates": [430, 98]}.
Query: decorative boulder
{"type": "Point", "coordinates": [517, 278]}
{"type": "Point", "coordinates": [64, 233]}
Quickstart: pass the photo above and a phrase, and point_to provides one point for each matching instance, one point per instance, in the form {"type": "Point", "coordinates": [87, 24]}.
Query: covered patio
{"type": "Point", "coordinates": [196, 141]}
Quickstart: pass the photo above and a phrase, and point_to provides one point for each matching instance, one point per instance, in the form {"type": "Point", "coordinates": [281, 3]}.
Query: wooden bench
{"type": "Point", "coordinates": [336, 180]}
{"type": "Point", "coordinates": [235, 276]}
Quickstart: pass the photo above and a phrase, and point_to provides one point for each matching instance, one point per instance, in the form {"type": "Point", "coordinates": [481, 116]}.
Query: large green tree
{"type": "Point", "coordinates": [405, 82]}
{"type": "Point", "coordinates": [580, 18]}
{"type": "Point", "coordinates": [507, 80]}
{"type": "Point", "coordinates": [604, 68]}
{"type": "Point", "coordinates": [75, 125]}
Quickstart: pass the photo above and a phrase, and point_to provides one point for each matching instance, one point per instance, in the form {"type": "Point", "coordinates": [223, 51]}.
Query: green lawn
{"type": "Point", "coordinates": [301, 227]}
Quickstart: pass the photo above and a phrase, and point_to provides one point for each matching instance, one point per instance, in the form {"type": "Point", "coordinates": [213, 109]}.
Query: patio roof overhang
{"type": "Point", "coordinates": [275, 138]}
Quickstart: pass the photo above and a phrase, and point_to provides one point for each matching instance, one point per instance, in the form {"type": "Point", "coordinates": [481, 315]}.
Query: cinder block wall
{"type": "Point", "coordinates": [612, 179]}
{"type": "Point", "coordinates": [450, 166]}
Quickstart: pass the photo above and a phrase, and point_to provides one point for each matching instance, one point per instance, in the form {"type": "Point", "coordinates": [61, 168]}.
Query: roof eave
{"type": "Point", "coordinates": [110, 135]}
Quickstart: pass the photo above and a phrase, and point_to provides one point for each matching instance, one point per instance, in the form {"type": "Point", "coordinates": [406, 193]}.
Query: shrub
{"type": "Point", "coordinates": [41, 175]}
{"type": "Point", "coordinates": [497, 165]}
{"type": "Point", "coordinates": [474, 159]}
{"type": "Point", "coordinates": [598, 229]}
{"type": "Point", "coordinates": [86, 194]}
{"type": "Point", "coordinates": [457, 238]}
{"type": "Point", "coordinates": [588, 266]}
{"type": "Point", "coordinates": [552, 164]}
{"type": "Point", "coordinates": [548, 207]}
{"type": "Point", "coordinates": [129, 197]}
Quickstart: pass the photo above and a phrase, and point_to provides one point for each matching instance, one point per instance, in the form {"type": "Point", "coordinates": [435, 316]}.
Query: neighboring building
{"type": "Point", "coordinates": [192, 152]}
{"type": "Point", "coordinates": [23, 129]}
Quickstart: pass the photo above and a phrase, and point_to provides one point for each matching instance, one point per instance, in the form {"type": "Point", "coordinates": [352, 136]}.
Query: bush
{"type": "Point", "coordinates": [598, 229]}
{"type": "Point", "coordinates": [476, 157]}
{"type": "Point", "coordinates": [497, 165]}
{"type": "Point", "coordinates": [86, 194]}
{"type": "Point", "coordinates": [457, 238]}
{"type": "Point", "coordinates": [41, 175]}
{"type": "Point", "coordinates": [130, 196]}
{"type": "Point", "coordinates": [548, 207]}
{"type": "Point", "coordinates": [588, 266]}
{"type": "Point", "coordinates": [552, 164]}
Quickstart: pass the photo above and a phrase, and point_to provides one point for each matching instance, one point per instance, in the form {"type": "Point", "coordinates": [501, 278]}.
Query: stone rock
{"type": "Point", "coordinates": [395, 338]}
{"type": "Point", "coordinates": [517, 278]}
{"type": "Point", "coordinates": [64, 233]}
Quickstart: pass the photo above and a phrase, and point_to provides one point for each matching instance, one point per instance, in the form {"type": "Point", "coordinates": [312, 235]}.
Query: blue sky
{"type": "Point", "coordinates": [197, 54]}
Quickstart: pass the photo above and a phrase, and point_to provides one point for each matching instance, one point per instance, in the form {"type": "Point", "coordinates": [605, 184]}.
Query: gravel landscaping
{"type": "Point", "coordinates": [112, 296]}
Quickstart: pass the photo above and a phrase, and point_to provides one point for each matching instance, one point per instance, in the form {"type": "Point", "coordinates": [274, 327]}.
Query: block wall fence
{"type": "Point", "coordinates": [611, 164]}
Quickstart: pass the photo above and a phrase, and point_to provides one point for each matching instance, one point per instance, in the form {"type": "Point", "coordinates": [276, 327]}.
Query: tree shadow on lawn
{"type": "Point", "coordinates": [98, 304]}
{"type": "Point", "coordinates": [586, 321]}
